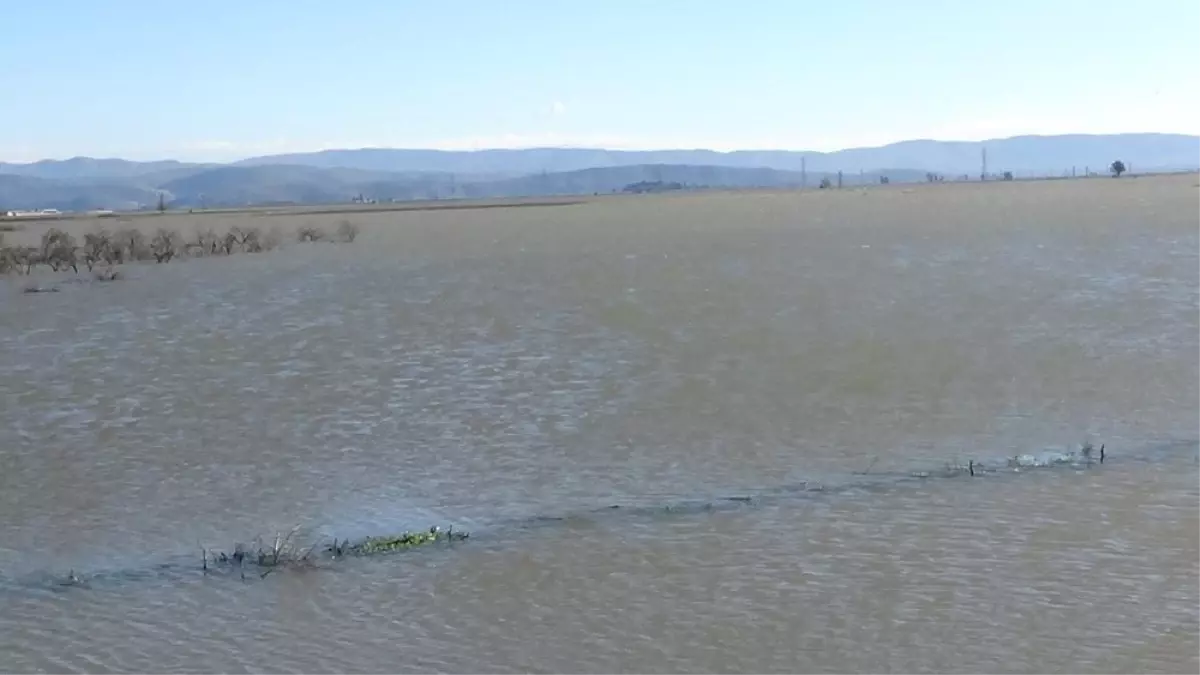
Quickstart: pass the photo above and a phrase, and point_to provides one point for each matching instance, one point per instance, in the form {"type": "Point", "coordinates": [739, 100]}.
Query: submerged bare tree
{"type": "Point", "coordinates": [23, 258]}
{"type": "Point", "coordinates": [59, 250]}
{"type": "Point", "coordinates": [102, 250]}
{"type": "Point", "coordinates": [310, 233]}
{"type": "Point", "coordinates": [106, 274]}
{"type": "Point", "coordinates": [204, 243]}
{"type": "Point", "coordinates": [97, 248]}
{"type": "Point", "coordinates": [347, 231]}
{"type": "Point", "coordinates": [164, 245]}
{"type": "Point", "coordinates": [228, 242]}
{"type": "Point", "coordinates": [273, 239]}
{"type": "Point", "coordinates": [8, 261]}
{"type": "Point", "coordinates": [248, 238]}
{"type": "Point", "coordinates": [131, 245]}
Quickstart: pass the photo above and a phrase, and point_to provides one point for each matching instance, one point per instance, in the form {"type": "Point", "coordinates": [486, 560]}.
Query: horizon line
{"type": "Point", "coordinates": [583, 146]}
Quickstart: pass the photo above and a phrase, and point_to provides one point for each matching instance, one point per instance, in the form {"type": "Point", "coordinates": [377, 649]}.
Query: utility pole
{"type": "Point", "coordinates": [839, 179]}
{"type": "Point", "coordinates": [803, 173]}
{"type": "Point", "coordinates": [983, 168]}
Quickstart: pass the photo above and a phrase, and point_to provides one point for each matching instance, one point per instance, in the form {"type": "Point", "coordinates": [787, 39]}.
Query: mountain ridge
{"type": "Point", "coordinates": [236, 186]}
{"type": "Point", "coordinates": [1044, 153]}
{"type": "Point", "coordinates": [400, 174]}
{"type": "Point", "coordinates": [1022, 154]}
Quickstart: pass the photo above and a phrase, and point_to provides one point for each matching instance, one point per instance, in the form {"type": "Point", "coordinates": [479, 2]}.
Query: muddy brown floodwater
{"type": "Point", "coordinates": [516, 372]}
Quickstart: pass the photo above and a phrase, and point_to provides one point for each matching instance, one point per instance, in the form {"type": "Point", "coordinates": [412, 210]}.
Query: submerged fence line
{"type": "Point", "coordinates": [259, 559]}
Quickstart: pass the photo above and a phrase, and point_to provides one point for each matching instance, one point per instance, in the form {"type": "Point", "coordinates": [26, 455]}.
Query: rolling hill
{"type": "Point", "coordinates": [84, 183]}
{"type": "Point", "coordinates": [88, 168]}
{"type": "Point", "coordinates": [26, 192]}
{"type": "Point", "coordinates": [234, 186]}
{"type": "Point", "coordinates": [1046, 155]}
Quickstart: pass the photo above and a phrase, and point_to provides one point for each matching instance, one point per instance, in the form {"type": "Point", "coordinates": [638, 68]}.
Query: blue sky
{"type": "Point", "coordinates": [222, 79]}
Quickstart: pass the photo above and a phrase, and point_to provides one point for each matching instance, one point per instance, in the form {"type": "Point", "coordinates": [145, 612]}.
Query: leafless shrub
{"type": "Point", "coordinates": [107, 274]}
{"type": "Point", "coordinates": [59, 250]}
{"type": "Point", "coordinates": [131, 245]}
{"type": "Point", "coordinates": [309, 233]}
{"type": "Point", "coordinates": [165, 245]}
{"type": "Point", "coordinates": [287, 552]}
{"type": "Point", "coordinates": [205, 242]}
{"type": "Point", "coordinates": [273, 239]}
{"type": "Point", "coordinates": [97, 247]}
{"type": "Point", "coordinates": [248, 238]}
{"type": "Point", "coordinates": [228, 242]}
{"type": "Point", "coordinates": [8, 261]}
{"type": "Point", "coordinates": [347, 231]}
{"type": "Point", "coordinates": [24, 257]}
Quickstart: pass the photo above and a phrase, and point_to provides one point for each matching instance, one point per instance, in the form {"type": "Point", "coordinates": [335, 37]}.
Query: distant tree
{"type": "Point", "coordinates": [825, 183]}
{"type": "Point", "coordinates": [310, 233]}
{"type": "Point", "coordinates": [97, 248]}
{"type": "Point", "coordinates": [8, 258]}
{"type": "Point", "coordinates": [164, 245]}
{"type": "Point", "coordinates": [1117, 168]}
{"type": "Point", "coordinates": [883, 180]}
{"type": "Point", "coordinates": [249, 238]}
{"type": "Point", "coordinates": [130, 244]}
{"type": "Point", "coordinates": [347, 231]}
{"type": "Point", "coordinates": [1008, 175]}
{"type": "Point", "coordinates": [58, 250]}
{"type": "Point", "coordinates": [643, 187]}
{"type": "Point", "coordinates": [228, 242]}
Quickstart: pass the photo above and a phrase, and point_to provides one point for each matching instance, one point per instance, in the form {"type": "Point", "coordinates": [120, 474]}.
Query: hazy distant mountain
{"type": "Point", "coordinates": [266, 184]}
{"type": "Point", "coordinates": [78, 168]}
{"type": "Point", "coordinates": [229, 186]}
{"type": "Point", "coordinates": [241, 185]}
{"type": "Point", "coordinates": [27, 192]}
{"type": "Point", "coordinates": [615, 179]}
{"type": "Point", "coordinates": [1021, 155]}
{"type": "Point", "coordinates": [384, 174]}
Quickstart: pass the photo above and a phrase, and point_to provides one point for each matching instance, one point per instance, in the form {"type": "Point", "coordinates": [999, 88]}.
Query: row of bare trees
{"type": "Point", "coordinates": [59, 250]}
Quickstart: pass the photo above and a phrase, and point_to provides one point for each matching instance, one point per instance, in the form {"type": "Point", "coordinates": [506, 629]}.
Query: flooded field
{"type": "Point", "coordinates": [781, 393]}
